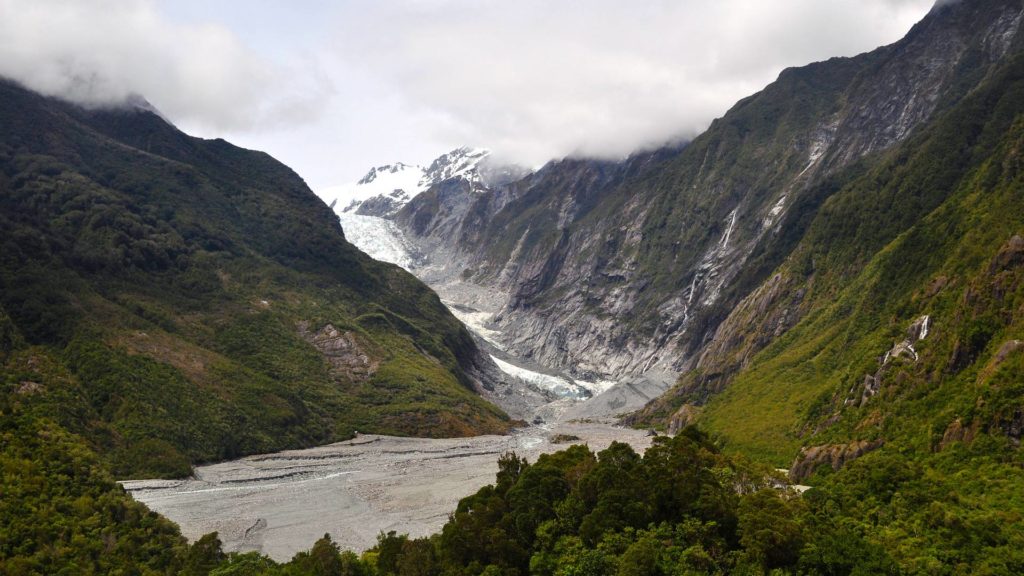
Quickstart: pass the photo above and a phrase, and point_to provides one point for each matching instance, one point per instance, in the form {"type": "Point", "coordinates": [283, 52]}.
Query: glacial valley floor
{"type": "Point", "coordinates": [279, 504]}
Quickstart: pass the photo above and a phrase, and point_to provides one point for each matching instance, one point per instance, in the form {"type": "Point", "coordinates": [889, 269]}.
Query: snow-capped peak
{"type": "Point", "coordinates": [459, 163]}
{"type": "Point", "coordinates": [386, 169]}
{"type": "Point", "coordinates": [385, 189]}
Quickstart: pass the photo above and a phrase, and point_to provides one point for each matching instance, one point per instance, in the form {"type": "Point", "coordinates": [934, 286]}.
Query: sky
{"type": "Point", "coordinates": [334, 88]}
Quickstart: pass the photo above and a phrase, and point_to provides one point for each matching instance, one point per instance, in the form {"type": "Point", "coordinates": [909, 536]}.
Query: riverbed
{"type": "Point", "coordinates": [279, 504]}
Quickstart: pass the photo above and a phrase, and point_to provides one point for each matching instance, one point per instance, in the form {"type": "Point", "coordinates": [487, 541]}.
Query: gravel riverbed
{"type": "Point", "coordinates": [279, 504]}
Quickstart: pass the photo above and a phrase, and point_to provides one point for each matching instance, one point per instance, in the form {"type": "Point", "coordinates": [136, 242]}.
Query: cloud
{"type": "Point", "coordinates": [531, 79]}
{"type": "Point", "coordinates": [540, 79]}
{"type": "Point", "coordinates": [98, 52]}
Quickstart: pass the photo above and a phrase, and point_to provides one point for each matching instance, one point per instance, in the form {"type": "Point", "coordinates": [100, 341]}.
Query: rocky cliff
{"type": "Point", "coordinates": [667, 262]}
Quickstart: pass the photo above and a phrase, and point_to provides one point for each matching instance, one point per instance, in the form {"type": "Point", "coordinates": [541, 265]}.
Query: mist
{"type": "Point", "coordinates": [100, 52]}
{"type": "Point", "coordinates": [333, 88]}
{"type": "Point", "coordinates": [536, 80]}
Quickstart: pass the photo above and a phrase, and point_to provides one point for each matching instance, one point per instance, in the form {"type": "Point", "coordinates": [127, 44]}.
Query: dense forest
{"type": "Point", "coordinates": [682, 507]}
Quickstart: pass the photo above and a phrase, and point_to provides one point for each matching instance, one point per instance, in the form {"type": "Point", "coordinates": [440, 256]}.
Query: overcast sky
{"type": "Point", "coordinates": [333, 88]}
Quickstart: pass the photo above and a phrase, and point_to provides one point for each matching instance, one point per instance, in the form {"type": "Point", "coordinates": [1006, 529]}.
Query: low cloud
{"type": "Point", "coordinates": [98, 52]}
{"type": "Point", "coordinates": [540, 79]}
{"type": "Point", "coordinates": [531, 79]}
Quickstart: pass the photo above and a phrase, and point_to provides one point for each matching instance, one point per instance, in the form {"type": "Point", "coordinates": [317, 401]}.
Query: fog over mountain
{"type": "Point", "coordinates": [99, 52]}
{"type": "Point", "coordinates": [538, 80]}
{"type": "Point", "coordinates": [333, 89]}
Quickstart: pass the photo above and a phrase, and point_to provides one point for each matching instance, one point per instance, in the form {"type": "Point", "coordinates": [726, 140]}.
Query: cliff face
{"type": "Point", "coordinates": [668, 262]}
{"type": "Point", "coordinates": [897, 315]}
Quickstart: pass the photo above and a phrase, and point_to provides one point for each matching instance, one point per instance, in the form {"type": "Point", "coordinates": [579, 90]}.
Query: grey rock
{"type": "Point", "coordinates": [570, 246]}
{"type": "Point", "coordinates": [832, 455]}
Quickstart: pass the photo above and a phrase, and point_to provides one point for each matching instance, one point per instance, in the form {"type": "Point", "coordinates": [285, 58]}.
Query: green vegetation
{"type": "Point", "coordinates": [957, 259]}
{"type": "Point", "coordinates": [166, 300]}
{"type": "Point", "coordinates": [167, 291]}
{"type": "Point", "coordinates": [62, 514]}
{"type": "Point", "coordinates": [681, 508]}
{"type": "Point", "coordinates": [933, 227]}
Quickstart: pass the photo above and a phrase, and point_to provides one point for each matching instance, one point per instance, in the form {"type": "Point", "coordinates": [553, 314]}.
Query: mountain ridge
{"type": "Point", "coordinates": [385, 189]}
{"type": "Point", "coordinates": [625, 277]}
{"type": "Point", "coordinates": [195, 301]}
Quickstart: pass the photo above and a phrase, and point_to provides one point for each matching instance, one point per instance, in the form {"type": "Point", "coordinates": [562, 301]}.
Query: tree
{"type": "Point", "coordinates": [417, 558]}
{"type": "Point", "coordinates": [770, 529]}
{"type": "Point", "coordinates": [389, 548]}
{"type": "Point", "coordinates": [203, 556]}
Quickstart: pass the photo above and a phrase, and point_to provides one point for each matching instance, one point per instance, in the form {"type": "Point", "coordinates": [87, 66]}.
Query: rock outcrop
{"type": "Point", "coordinates": [833, 455]}
{"type": "Point", "coordinates": [685, 416]}
{"type": "Point", "coordinates": [957, 432]}
{"type": "Point", "coordinates": [347, 357]}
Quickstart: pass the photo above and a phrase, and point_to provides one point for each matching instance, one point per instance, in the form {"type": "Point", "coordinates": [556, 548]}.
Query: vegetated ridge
{"type": "Point", "coordinates": [867, 334]}
{"type": "Point", "coordinates": [176, 300]}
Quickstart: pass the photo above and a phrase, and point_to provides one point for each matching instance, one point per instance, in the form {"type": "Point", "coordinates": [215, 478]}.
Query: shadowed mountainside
{"type": "Point", "coordinates": [178, 300]}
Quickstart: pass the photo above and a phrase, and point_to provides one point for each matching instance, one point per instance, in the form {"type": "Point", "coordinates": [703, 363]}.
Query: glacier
{"type": "Point", "coordinates": [400, 182]}
{"type": "Point", "coordinates": [378, 237]}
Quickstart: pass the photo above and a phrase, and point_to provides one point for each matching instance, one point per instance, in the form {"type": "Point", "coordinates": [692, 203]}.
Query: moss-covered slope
{"type": "Point", "coordinates": [201, 303]}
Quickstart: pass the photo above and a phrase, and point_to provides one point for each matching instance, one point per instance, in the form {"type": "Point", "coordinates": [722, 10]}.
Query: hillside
{"type": "Point", "coordinates": [911, 301]}
{"type": "Point", "coordinates": [829, 282]}
{"type": "Point", "coordinates": [836, 267]}
{"type": "Point", "coordinates": [774, 230]}
{"type": "Point", "coordinates": [627, 269]}
{"type": "Point", "coordinates": [178, 300]}
{"type": "Point", "coordinates": [890, 282]}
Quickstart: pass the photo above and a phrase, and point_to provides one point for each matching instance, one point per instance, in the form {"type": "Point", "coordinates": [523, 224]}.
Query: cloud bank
{"type": "Point", "coordinates": [541, 79]}
{"type": "Point", "coordinates": [99, 52]}
{"type": "Point", "coordinates": [332, 88]}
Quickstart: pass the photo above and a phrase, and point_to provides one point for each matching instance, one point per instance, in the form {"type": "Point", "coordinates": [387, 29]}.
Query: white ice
{"type": "Point", "coordinates": [555, 384]}
{"type": "Point", "coordinates": [384, 181]}
{"type": "Point", "coordinates": [596, 387]}
{"type": "Point", "coordinates": [477, 322]}
{"type": "Point", "coordinates": [379, 238]}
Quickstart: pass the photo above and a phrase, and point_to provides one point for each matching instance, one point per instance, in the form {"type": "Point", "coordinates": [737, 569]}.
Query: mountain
{"type": "Point", "coordinates": [899, 308]}
{"type": "Point", "coordinates": [384, 190]}
{"type": "Point", "coordinates": [631, 269]}
{"type": "Point", "coordinates": [835, 269]}
{"type": "Point", "coordinates": [177, 300]}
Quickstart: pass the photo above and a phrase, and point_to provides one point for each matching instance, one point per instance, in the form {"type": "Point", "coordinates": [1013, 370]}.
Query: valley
{"type": "Point", "coordinates": [525, 388]}
{"type": "Point", "coordinates": [787, 341]}
{"type": "Point", "coordinates": [276, 504]}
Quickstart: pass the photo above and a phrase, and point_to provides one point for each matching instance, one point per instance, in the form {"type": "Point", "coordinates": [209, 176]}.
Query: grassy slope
{"type": "Point", "coordinates": [166, 277]}
{"type": "Point", "coordinates": [932, 227]}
